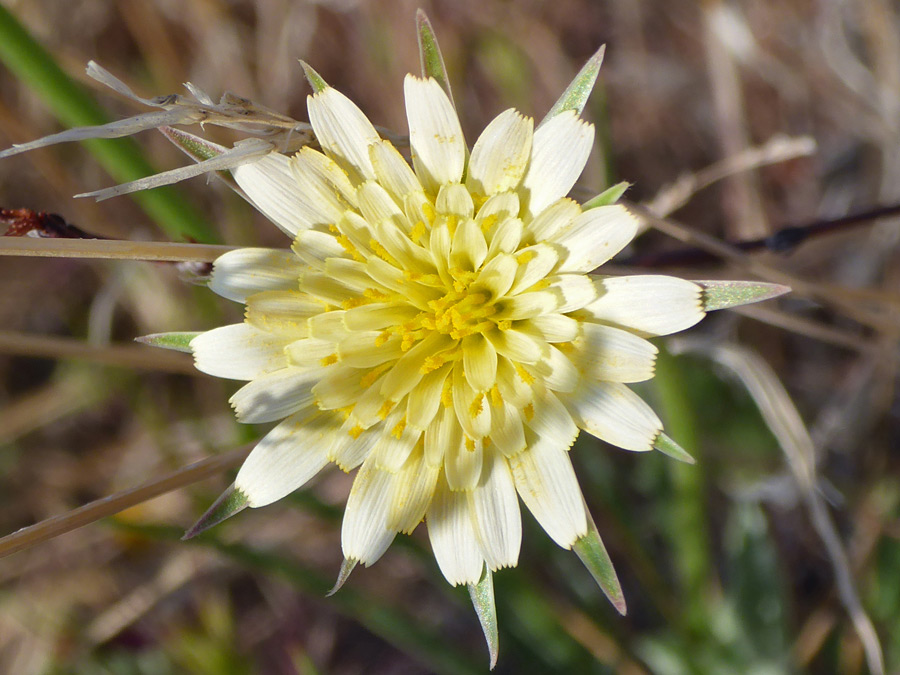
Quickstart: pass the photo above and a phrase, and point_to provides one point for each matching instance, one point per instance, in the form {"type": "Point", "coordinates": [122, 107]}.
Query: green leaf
{"type": "Point", "coordinates": [669, 447]}
{"type": "Point", "coordinates": [74, 107]}
{"type": "Point", "coordinates": [482, 595]}
{"type": "Point", "coordinates": [593, 555]}
{"type": "Point", "coordinates": [609, 196]}
{"type": "Point", "coordinates": [230, 502]}
{"type": "Point", "coordinates": [315, 80]}
{"type": "Point", "coordinates": [576, 94]}
{"type": "Point", "coordinates": [179, 342]}
{"type": "Point", "coordinates": [724, 294]}
{"type": "Point", "coordinates": [430, 54]}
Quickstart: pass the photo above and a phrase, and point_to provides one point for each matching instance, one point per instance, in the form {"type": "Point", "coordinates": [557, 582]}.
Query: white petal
{"type": "Point", "coordinates": [453, 537]}
{"type": "Point", "coordinates": [613, 413]}
{"type": "Point", "coordinates": [392, 171]}
{"type": "Point", "coordinates": [339, 387]}
{"type": "Point", "coordinates": [376, 205]}
{"type": "Point", "coordinates": [556, 371]}
{"type": "Point", "coordinates": [282, 312]}
{"type": "Point", "coordinates": [472, 410]}
{"type": "Point", "coordinates": [505, 237]}
{"type": "Point", "coordinates": [500, 155]}
{"type": "Point", "coordinates": [495, 513]}
{"type": "Point", "coordinates": [507, 430]}
{"type": "Point", "coordinates": [378, 315]}
{"type": "Point", "coordinates": [594, 237]}
{"type": "Point", "coordinates": [526, 306]}
{"type": "Point", "coordinates": [497, 275]}
{"type": "Point", "coordinates": [245, 271]}
{"type": "Point", "coordinates": [413, 493]}
{"type": "Point", "coordinates": [454, 200]}
{"type": "Point", "coordinates": [552, 220]}
{"type": "Point", "coordinates": [351, 447]}
{"type": "Point", "coordinates": [514, 383]}
{"type": "Point", "coordinates": [463, 464]}
{"type": "Point", "coordinates": [547, 484]}
{"type": "Point", "coordinates": [287, 457]}
{"type": "Point", "coordinates": [363, 349]}
{"type": "Point", "coordinates": [365, 535]}
{"type": "Point", "coordinates": [479, 362]}
{"type": "Point", "coordinates": [396, 443]}
{"type": "Point", "coordinates": [344, 132]}
{"type": "Point", "coordinates": [469, 247]}
{"type": "Point", "coordinates": [535, 263]}
{"type": "Point", "coordinates": [516, 345]}
{"type": "Point", "coordinates": [496, 209]}
{"type": "Point", "coordinates": [314, 248]}
{"type": "Point", "coordinates": [323, 186]}
{"type": "Point", "coordinates": [550, 421]}
{"type": "Point", "coordinates": [443, 434]}
{"type": "Point", "coordinates": [573, 291]}
{"type": "Point", "coordinates": [554, 327]}
{"type": "Point", "coordinates": [435, 137]}
{"type": "Point", "coordinates": [423, 404]}
{"type": "Point", "coordinates": [276, 395]}
{"type": "Point", "coordinates": [560, 151]}
{"type": "Point", "coordinates": [613, 354]}
{"type": "Point", "coordinates": [407, 372]}
{"type": "Point", "coordinates": [310, 352]}
{"type": "Point", "coordinates": [651, 304]}
{"type": "Point", "coordinates": [269, 182]}
{"type": "Point", "coordinates": [238, 352]}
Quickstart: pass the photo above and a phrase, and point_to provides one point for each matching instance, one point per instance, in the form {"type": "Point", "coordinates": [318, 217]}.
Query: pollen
{"type": "Point", "coordinates": [329, 360]}
{"type": "Point", "coordinates": [398, 429]}
{"type": "Point", "coordinates": [386, 409]}
{"type": "Point", "coordinates": [527, 377]}
{"type": "Point", "coordinates": [529, 411]}
{"type": "Point", "coordinates": [477, 406]}
{"type": "Point", "coordinates": [356, 431]}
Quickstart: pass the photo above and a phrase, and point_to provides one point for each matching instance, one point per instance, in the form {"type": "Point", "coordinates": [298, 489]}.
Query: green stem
{"type": "Point", "coordinates": [73, 107]}
{"type": "Point", "coordinates": [688, 527]}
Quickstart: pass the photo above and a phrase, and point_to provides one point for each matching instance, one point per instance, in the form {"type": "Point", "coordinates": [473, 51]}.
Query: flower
{"type": "Point", "coordinates": [437, 327]}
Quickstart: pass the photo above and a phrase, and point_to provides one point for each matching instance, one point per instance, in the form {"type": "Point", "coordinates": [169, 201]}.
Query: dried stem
{"type": "Point", "coordinates": [111, 250]}
{"type": "Point", "coordinates": [107, 506]}
{"type": "Point", "coordinates": [124, 355]}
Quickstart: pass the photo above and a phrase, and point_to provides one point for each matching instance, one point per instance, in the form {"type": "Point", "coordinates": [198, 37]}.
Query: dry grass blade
{"type": "Point", "coordinates": [156, 251]}
{"type": "Point", "coordinates": [777, 149]}
{"type": "Point", "coordinates": [123, 355]}
{"type": "Point", "coordinates": [782, 418]}
{"type": "Point", "coordinates": [107, 506]}
{"type": "Point", "coordinates": [809, 328]}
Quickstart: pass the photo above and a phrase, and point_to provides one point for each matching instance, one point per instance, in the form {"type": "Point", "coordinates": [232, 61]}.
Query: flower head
{"type": "Point", "coordinates": [436, 327]}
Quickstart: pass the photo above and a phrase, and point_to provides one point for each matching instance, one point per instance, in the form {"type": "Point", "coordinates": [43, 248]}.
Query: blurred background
{"type": "Point", "coordinates": [722, 565]}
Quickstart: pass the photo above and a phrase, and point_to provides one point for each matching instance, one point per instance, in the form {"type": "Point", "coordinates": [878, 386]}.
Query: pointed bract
{"type": "Point", "coordinates": [576, 94]}
{"type": "Point", "coordinates": [669, 447]}
{"type": "Point", "coordinates": [430, 57]}
{"type": "Point", "coordinates": [179, 342]}
{"type": "Point", "coordinates": [315, 80]}
{"type": "Point", "coordinates": [346, 568]}
{"type": "Point", "coordinates": [593, 555]}
{"type": "Point", "coordinates": [229, 503]}
{"type": "Point", "coordinates": [725, 294]}
{"type": "Point", "coordinates": [482, 595]}
{"type": "Point", "coordinates": [609, 196]}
